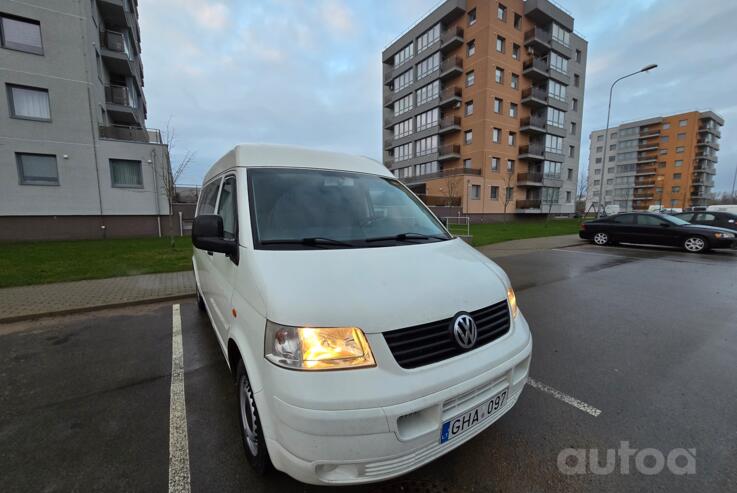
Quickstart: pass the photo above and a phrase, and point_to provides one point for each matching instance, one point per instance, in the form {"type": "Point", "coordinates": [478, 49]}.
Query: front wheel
{"type": "Point", "coordinates": [252, 433]}
{"type": "Point", "coordinates": [601, 239]}
{"type": "Point", "coordinates": [695, 244]}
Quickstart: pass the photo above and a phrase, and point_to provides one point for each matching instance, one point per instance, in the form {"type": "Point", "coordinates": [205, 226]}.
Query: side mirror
{"type": "Point", "coordinates": [207, 234]}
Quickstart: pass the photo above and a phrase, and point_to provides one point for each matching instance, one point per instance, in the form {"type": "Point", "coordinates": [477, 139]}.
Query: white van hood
{"type": "Point", "coordinates": [376, 289]}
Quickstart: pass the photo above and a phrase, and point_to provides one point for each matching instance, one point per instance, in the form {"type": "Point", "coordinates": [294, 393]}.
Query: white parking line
{"type": "Point", "coordinates": [582, 406]}
{"type": "Point", "coordinates": [178, 443]}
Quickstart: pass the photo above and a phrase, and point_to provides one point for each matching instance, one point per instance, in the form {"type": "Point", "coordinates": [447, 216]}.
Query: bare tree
{"type": "Point", "coordinates": [453, 185]}
{"type": "Point", "coordinates": [583, 186]}
{"type": "Point", "coordinates": [170, 176]}
{"type": "Point", "coordinates": [508, 197]}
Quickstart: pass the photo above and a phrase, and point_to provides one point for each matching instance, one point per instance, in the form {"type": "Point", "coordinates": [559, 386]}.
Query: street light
{"type": "Point", "coordinates": [646, 68]}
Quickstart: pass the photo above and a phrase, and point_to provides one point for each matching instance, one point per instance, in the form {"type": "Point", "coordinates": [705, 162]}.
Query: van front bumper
{"type": "Point", "coordinates": [364, 444]}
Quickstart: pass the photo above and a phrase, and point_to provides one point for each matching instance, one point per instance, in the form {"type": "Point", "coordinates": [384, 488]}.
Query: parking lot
{"type": "Point", "coordinates": [632, 344]}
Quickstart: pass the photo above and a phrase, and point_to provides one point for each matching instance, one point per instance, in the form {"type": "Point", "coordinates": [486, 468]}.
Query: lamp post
{"type": "Point", "coordinates": [646, 68]}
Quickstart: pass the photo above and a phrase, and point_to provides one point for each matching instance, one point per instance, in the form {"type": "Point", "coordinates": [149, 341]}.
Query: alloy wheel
{"type": "Point", "coordinates": [694, 244]}
{"type": "Point", "coordinates": [601, 238]}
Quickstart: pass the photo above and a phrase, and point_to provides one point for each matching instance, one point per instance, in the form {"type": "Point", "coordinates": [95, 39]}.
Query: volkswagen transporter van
{"type": "Point", "coordinates": [365, 341]}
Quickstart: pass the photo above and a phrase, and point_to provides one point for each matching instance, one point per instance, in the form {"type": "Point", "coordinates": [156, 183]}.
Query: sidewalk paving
{"type": "Point", "coordinates": [70, 297]}
{"type": "Point", "coordinates": [41, 300]}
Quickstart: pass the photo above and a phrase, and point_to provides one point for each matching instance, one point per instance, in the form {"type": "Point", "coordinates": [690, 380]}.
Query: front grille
{"type": "Point", "coordinates": [432, 342]}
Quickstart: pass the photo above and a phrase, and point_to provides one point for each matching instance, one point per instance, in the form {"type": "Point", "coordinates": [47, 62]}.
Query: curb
{"type": "Point", "coordinates": [92, 308]}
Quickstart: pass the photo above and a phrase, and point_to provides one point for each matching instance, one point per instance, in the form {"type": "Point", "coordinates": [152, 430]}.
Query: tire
{"type": "Point", "coordinates": [601, 239]}
{"type": "Point", "coordinates": [695, 244]}
{"type": "Point", "coordinates": [254, 443]}
{"type": "Point", "coordinates": [200, 301]}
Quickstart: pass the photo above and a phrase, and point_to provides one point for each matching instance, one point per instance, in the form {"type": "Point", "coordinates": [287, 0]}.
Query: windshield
{"type": "Point", "coordinates": [675, 220]}
{"type": "Point", "coordinates": [309, 208]}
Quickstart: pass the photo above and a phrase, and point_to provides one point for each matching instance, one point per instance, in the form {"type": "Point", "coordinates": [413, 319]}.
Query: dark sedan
{"type": "Point", "coordinates": [656, 229]}
{"type": "Point", "coordinates": [710, 218]}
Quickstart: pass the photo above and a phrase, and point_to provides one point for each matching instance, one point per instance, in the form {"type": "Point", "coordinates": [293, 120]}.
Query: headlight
{"type": "Point", "coordinates": [723, 235]}
{"type": "Point", "coordinates": [512, 300]}
{"type": "Point", "coordinates": [317, 348]}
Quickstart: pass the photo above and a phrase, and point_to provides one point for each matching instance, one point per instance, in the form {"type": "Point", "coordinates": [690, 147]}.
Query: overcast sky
{"type": "Point", "coordinates": [308, 72]}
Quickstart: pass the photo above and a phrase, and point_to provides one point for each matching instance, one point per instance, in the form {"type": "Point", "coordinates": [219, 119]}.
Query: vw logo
{"type": "Point", "coordinates": [464, 330]}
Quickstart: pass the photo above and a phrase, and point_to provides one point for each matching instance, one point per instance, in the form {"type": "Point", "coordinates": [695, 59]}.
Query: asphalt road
{"type": "Point", "coordinates": [647, 336]}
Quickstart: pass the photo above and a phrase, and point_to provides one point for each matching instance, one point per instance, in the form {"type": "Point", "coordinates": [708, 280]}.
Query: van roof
{"type": "Point", "coordinates": [269, 155]}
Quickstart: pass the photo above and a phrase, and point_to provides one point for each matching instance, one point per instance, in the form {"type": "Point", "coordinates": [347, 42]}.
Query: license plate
{"type": "Point", "coordinates": [456, 426]}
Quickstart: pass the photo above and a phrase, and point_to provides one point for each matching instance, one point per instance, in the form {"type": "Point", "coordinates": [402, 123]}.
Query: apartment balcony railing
{"type": "Point", "coordinates": [118, 95]}
{"type": "Point", "coordinates": [528, 204]}
{"type": "Point", "coordinates": [449, 151]}
{"type": "Point", "coordinates": [530, 177]}
{"type": "Point", "coordinates": [538, 34]}
{"type": "Point", "coordinates": [708, 142]}
{"type": "Point", "coordinates": [705, 168]}
{"type": "Point", "coordinates": [440, 201]}
{"type": "Point", "coordinates": [450, 95]}
{"type": "Point", "coordinates": [644, 183]}
{"type": "Point", "coordinates": [450, 123]}
{"type": "Point", "coordinates": [451, 66]}
{"type": "Point", "coordinates": [442, 174]}
{"type": "Point", "coordinates": [700, 180]}
{"type": "Point", "coordinates": [643, 195]}
{"type": "Point", "coordinates": [533, 121]}
{"type": "Point", "coordinates": [711, 128]}
{"type": "Point", "coordinates": [540, 69]}
{"type": "Point", "coordinates": [114, 41]}
{"type": "Point", "coordinates": [451, 38]}
{"type": "Point", "coordinates": [537, 63]}
{"type": "Point", "coordinates": [532, 151]}
{"type": "Point", "coordinates": [134, 134]}
{"type": "Point", "coordinates": [535, 92]}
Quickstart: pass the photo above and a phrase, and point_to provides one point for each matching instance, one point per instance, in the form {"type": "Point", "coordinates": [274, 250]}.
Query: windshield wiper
{"type": "Point", "coordinates": [316, 241]}
{"type": "Point", "coordinates": [406, 237]}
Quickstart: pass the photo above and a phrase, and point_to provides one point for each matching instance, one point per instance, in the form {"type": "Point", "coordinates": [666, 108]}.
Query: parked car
{"type": "Point", "coordinates": [718, 219]}
{"type": "Point", "coordinates": [656, 229]}
{"type": "Point", "coordinates": [327, 283]}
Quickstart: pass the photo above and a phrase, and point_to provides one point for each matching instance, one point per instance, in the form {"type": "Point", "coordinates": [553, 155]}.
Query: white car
{"type": "Point", "coordinates": [365, 340]}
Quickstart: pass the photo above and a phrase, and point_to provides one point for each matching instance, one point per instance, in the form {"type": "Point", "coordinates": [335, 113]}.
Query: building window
{"type": "Point", "coordinates": [494, 193]}
{"type": "Point", "coordinates": [550, 195]}
{"type": "Point", "coordinates": [568, 197]}
{"type": "Point", "coordinates": [513, 110]}
{"type": "Point", "coordinates": [597, 183]}
{"type": "Point", "coordinates": [37, 169]}
{"type": "Point", "coordinates": [498, 105]}
{"type": "Point", "coordinates": [556, 91]}
{"type": "Point", "coordinates": [495, 164]}
{"type": "Point", "coordinates": [675, 189]}
{"type": "Point", "coordinates": [612, 158]}
{"type": "Point", "coordinates": [515, 51]}
{"type": "Point", "coordinates": [551, 169]}
{"type": "Point", "coordinates": [402, 153]}
{"type": "Point", "coordinates": [574, 104]}
{"type": "Point", "coordinates": [501, 12]}
{"type": "Point", "coordinates": [21, 34]}
{"type": "Point", "coordinates": [471, 47]}
{"type": "Point", "coordinates": [576, 80]}
{"type": "Point", "coordinates": [404, 80]}
{"type": "Point", "coordinates": [403, 105]}
{"type": "Point", "coordinates": [469, 108]}
{"type": "Point", "coordinates": [510, 165]}
{"type": "Point", "coordinates": [496, 135]}
{"type": "Point", "coordinates": [426, 146]}
{"type": "Point", "coordinates": [467, 163]}
{"type": "Point", "coordinates": [677, 176]}
{"type": "Point", "coordinates": [664, 138]}
{"type": "Point", "coordinates": [571, 151]}
{"type": "Point", "coordinates": [681, 136]}
{"type": "Point", "coordinates": [517, 21]}
{"type": "Point", "coordinates": [512, 138]}
{"type": "Point", "coordinates": [598, 161]}
{"type": "Point", "coordinates": [680, 150]}
{"type": "Point", "coordinates": [558, 63]}
{"type": "Point", "coordinates": [125, 173]}
{"type": "Point", "coordinates": [578, 56]}
{"type": "Point", "coordinates": [428, 65]}
{"type": "Point", "coordinates": [468, 136]}
{"type": "Point", "coordinates": [573, 128]}
{"type": "Point", "coordinates": [427, 119]}
{"type": "Point", "coordinates": [570, 174]}
{"type": "Point", "coordinates": [661, 164]}
{"type": "Point", "coordinates": [29, 102]}
{"type": "Point", "coordinates": [499, 75]}
{"type": "Point", "coordinates": [428, 92]}
{"type": "Point", "coordinates": [611, 170]}
{"type": "Point", "coordinates": [470, 78]}
{"type": "Point", "coordinates": [599, 148]}
{"type": "Point", "coordinates": [472, 17]}
{"type": "Point", "coordinates": [515, 81]}
{"type": "Point", "coordinates": [475, 192]}
{"type": "Point", "coordinates": [500, 44]}
{"type": "Point", "coordinates": [666, 126]}
{"type": "Point", "coordinates": [428, 37]}
{"type": "Point", "coordinates": [612, 147]}
{"type": "Point", "coordinates": [403, 55]}
{"type": "Point", "coordinates": [402, 129]}
{"type": "Point", "coordinates": [613, 135]}
{"type": "Point", "coordinates": [556, 118]}
{"type": "Point", "coordinates": [682, 123]}
{"type": "Point", "coordinates": [599, 138]}
{"type": "Point", "coordinates": [678, 163]}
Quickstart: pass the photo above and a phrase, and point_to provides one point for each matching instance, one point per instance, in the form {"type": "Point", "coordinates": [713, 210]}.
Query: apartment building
{"type": "Point", "coordinates": [76, 159]}
{"type": "Point", "coordinates": [665, 161]}
{"type": "Point", "coordinates": [482, 107]}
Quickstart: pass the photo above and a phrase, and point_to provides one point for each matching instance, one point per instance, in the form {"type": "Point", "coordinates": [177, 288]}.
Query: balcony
{"type": "Point", "coordinates": [536, 97]}
{"type": "Point", "coordinates": [644, 183]}
{"type": "Point", "coordinates": [642, 195]}
{"type": "Point", "coordinates": [714, 129]}
{"type": "Point", "coordinates": [532, 178]}
{"type": "Point", "coordinates": [451, 67]}
{"type": "Point", "coordinates": [709, 156]}
{"type": "Point", "coordinates": [533, 124]}
{"type": "Point", "coordinates": [131, 134]}
{"type": "Point", "coordinates": [442, 174]}
{"type": "Point", "coordinates": [449, 151]}
{"type": "Point", "coordinates": [708, 142]}
{"type": "Point", "coordinates": [117, 12]}
{"type": "Point", "coordinates": [535, 68]}
{"type": "Point", "coordinates": [645, 170]}
{"type": "Point", "coordinates": [450, 96]}
{"type": "Point", "coordinates": [703, 181]}
{"type": "Point", "coordinates": [705, 167]}
{"type": "Point", "coordinates": [450, 124]}
{"type": "Point", "coordinates": [538, 37]}
{"type": "Point", "coordinates": [450, 39]}
{"type": "Point", "coordinates": [647, 157]}
{"type": "Point", "coordinates": [121, 107]}
{"type": "Point", "coordinates": [117, 55]}
{"type": "Point", "coordinates": [532, 152]}
{"type": "Point", "coordinates": [528, 204]}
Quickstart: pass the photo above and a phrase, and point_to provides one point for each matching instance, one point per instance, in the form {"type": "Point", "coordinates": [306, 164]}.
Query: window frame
{"type": "Point", "coordinates": [21, 174]}
{"type": "Point", "coordinates": [134, 187]}
{"type": "Point", "coordinates": [4, 43]}
{"type": "Point", "coordinates": [11, 102]}
{"type": "Point", "coordinates": [224, 178]}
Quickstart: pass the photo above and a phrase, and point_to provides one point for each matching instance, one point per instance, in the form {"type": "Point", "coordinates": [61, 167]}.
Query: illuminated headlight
{"type": "Point", "coordinates": [723, 235]}
{"type": "Point", "coordinates": [512, 300]}
{"type": "Point", "coordinates": [317, 348]}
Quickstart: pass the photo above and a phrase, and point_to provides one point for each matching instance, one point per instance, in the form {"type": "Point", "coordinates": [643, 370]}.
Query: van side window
{"type": "Point", "coordinates": [208, 198]}
{"type": "Point", "coordinates": [227, 209]}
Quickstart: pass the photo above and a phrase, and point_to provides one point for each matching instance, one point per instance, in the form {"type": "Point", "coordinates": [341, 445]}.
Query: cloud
{"type": "Point", "coordinates": [337, 16]}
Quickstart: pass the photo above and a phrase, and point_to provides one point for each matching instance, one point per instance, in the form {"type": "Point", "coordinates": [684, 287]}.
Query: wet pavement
{"type": "Point", "coordinates": [646, 335]}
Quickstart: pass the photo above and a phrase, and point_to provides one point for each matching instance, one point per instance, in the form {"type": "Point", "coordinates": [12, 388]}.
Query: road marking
{"type": "Point", "coordinates": [178, 442]}
{"type": "Point", "coordinates": [588, 253]}
{"type": "Point", "coordinates": [580, 405]}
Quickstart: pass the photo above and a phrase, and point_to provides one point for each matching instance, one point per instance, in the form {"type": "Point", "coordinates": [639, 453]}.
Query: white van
{"type": "Point", "coordinates": [731, 208]}
{"type": "Point", "coordinates": [364, 339]}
